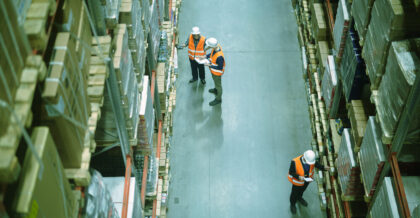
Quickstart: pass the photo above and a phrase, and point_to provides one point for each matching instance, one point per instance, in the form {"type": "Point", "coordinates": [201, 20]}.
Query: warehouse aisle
{"type": "Point", "coordinates": [232, 160]}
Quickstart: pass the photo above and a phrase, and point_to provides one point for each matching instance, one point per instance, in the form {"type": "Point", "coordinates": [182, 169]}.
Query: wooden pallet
{"type": "Point", "coordinates": [36, 20]}
{"type": "Point", "coordinates": [34, 71]}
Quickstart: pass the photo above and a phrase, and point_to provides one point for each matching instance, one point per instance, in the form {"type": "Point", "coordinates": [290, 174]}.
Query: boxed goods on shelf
{"type": "Point", "coordinates": [331, 88]}
{"type": "Point", "coordinates": [391, 20]}
{"type": "Point", "coordinates": [348, 169]}
{"type": "Point", "coordinates": [84, 41]}
{"type": "Point", "coordinates": [341, 27]}
{"type": "Point", "coordinates": [66, 106]}
{"type": "Point", "coordinates": [361, 11]}
{"type": "Point", "coordinates": [322, 52]}
{"type": "Point", "coordinates": [14, 50]}
{"type": "Point", "coordinates": [146, 125]}
{"type": "Point", "coordinates": [130, 14]}
{"type": "Point", "coordinates": [372, 156]}
{"type": "Point", "coordinates": [319, 25]}
{"type": "Point", "coordinates": [48, 195]}
{"type": "Point", "coordinates": [402, 67]}
{"type": "Point", "coordinates": [154, 37]}
{"type": "Point", "coordinates": [358, 119]}
{"type": "Point", "coordinates": [385, 204]}
{"type": "Point", "coordinates": [112, 11]}
{"type": "Point", "coordinates": [411, 187]}
{"type": "Point", "coordinates": [115, 186]}
{"type": "Point", "coordinates": [98, 199]}
{"type": "Point", "coordinates": [352, 68]}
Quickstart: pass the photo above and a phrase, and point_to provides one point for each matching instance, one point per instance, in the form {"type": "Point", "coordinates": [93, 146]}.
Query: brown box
{"type": "Point", "coordinates": [47, 194]}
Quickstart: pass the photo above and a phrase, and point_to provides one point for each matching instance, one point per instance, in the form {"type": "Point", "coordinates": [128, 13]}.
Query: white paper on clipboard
{"type": "Point", "coordinates": [308, 179]}
{"type": "Point", "coordinates": [203, 61]}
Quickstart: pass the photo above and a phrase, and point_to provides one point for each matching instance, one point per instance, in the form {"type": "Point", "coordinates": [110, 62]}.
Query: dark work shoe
{"type": "Point", "coordinates": [293, 209]}
{"type": "Point", "coordinates": [214, 91]}
{"type": "Point", "coordinates": [203, 81]}
{"type": "Point", "coordinates": [215, 102]}
{"type": "Point", "coordinates": [192, 80]}
{"type": "Point", "coordinates": [303, 202]}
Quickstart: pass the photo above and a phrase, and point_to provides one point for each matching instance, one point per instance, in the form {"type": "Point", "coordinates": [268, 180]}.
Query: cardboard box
{"type": "Point", "coordinates": [48, 194]}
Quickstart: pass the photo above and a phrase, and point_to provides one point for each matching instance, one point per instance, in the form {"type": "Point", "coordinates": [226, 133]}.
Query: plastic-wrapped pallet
{"type": "Point", "coordinates": [348, 169]}
{"type": "Point", "coordinates": [98, 199]}
{"type": "Point", "coordinates": [12, 58]}
{"type": "Point", "coordinates": [319, 25]}
{"type": "Point", "coordinates": [331, 88]}
{"type": "Point", "coordinates": [402, 68]}
{"type": "Point", "coordinates": [412, 192]}
{"type": "Point", "coordinates": [131, 14]}
{"type": "Point", "coordinates": [152, 177]}
{"type": "Point", "coordinates": [385, 204]}
{"type": "Point", "coordinates": [112, 11]}
{"type": "Point", "coordinates": [416, 212]}
{"type": "Point", "coordinates": [341, 26]}
{"type": "Point", "coordinates": [371, 156]}
{"type": "Point", "coordinates": [361, 11]}
{"type": "Point", "coordinates": [146, 124]}
{"type": "Point", "coordinates": [391, 20]}
{"type": "Point", "coordinates": [154, 37]}
{"type": "Point", "coordinates": [352, 68]}
{"type": "Point", "coordinates": [163, 48]}
{"type": "Point", "coordinates": [145, 9]}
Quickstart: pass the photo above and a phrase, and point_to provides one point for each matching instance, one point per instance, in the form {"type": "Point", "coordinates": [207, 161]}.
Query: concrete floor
{"type": "Point", "coordinates": [232, 160]}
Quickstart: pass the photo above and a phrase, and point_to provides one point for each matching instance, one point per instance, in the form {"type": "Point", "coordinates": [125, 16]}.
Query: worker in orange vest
{"type": "Point", "coordinates": [196, 49]}
{"type": "Point", "coordinates": [301, 173]}
{"type": "Point", "coordinates": [217, 68]}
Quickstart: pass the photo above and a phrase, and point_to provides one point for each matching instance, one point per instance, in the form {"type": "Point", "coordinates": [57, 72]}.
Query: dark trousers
{"type": "Point", "coordinates": [194, 71]}
{"type": "Point", "coordinates": [297, 192]}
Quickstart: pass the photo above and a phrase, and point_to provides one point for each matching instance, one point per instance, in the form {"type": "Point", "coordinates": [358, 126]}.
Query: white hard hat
{"type": "Point", "coordinates": [211, 42]}
{"type": "Point", "coordinates": [195, 30]}
{"type": "Point", "coordinates": [309, 156]}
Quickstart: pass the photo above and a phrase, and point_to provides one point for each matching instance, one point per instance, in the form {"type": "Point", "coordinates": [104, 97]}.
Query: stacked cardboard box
{"type": "Point", "coordinates": [385, 204]}
{"type": "Point", "coordinates": [319, 25]}
{"type": "Point", "coordinates": [146, 125]}
{"type": "Point", "coordinates": [130, 14]}
{"type": "Point", "coordinates": [66, 106]}
{"type": "Point", "coordinates": [127, 80]}
{"type": "Point", "coordinates": [322, 52]}
{"type": "Point", "coordinates": [15, 49]}
{"type": "Point", "coordinates": [372, 156]}
{"type": "Point", "coordinates": [352, 68]}
{"type": "Point", "coordinates": [358, 120]}
{"type": "Point", "coordinates": [348, 169]}
{"type": "Point", "coordinates": [341, 27]}
{"type": "Point", "coordinates": [154, 37]}
{"type": "Point", "coordinates": [36, 20]}
{"type": "Point", "coordinates": [402, 67]}
{"type": "Point", "coordinates": [361, 11]}
{"type": "Point", "coordinates": [112, 11]}
{"type": "Point", "coordinates": [161, 77]}
{"type": "Point", "coordinates": [391, 20]}
{"type": "Point", "coordinates": [48, 195]}
{"type": "Point", "coordinates": [331, 88]}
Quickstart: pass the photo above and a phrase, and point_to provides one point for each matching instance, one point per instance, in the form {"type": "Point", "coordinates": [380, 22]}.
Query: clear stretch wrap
{"type": "Point", "coordinates": [371, 156]}
{"type": "Point", "coordinates": [401, 70]}
{"type": "Point", "coordinates": [391, 20]}
{"type": "Point", "coordinates": [385, 204]}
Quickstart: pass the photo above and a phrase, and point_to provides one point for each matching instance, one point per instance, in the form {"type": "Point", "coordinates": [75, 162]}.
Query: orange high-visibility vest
{"type": "Point", "coordinates": [213, 59]}
{"type": "Point", "coordinates": [196, 52]}
{"type": "Point", "coordinates": [300, 172]}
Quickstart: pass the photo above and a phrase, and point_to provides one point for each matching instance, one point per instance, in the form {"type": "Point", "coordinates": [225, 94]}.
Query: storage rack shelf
{"type": "Point", "coordinates": [312, 32]}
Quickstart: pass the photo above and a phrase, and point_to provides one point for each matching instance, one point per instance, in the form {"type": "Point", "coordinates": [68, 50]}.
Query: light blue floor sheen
{"type": "Point", "coordinates": [231, 161]}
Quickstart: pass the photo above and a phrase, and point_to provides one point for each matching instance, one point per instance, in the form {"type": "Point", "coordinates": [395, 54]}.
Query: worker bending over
{"type": "Point", "coordinates": [196, 45]}
{"type": "Point", "coordinates": [301, 173]}
{"type": "Point", "coordinates": [217, 68]}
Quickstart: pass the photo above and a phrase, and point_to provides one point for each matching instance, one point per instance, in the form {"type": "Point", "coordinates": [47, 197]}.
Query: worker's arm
{"type": "Point", "coordinates": [292, 170]}
{"type": "Point", "coordinates": [219, 63]}
{"type": "Point", "coordinates": [320, 166]}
